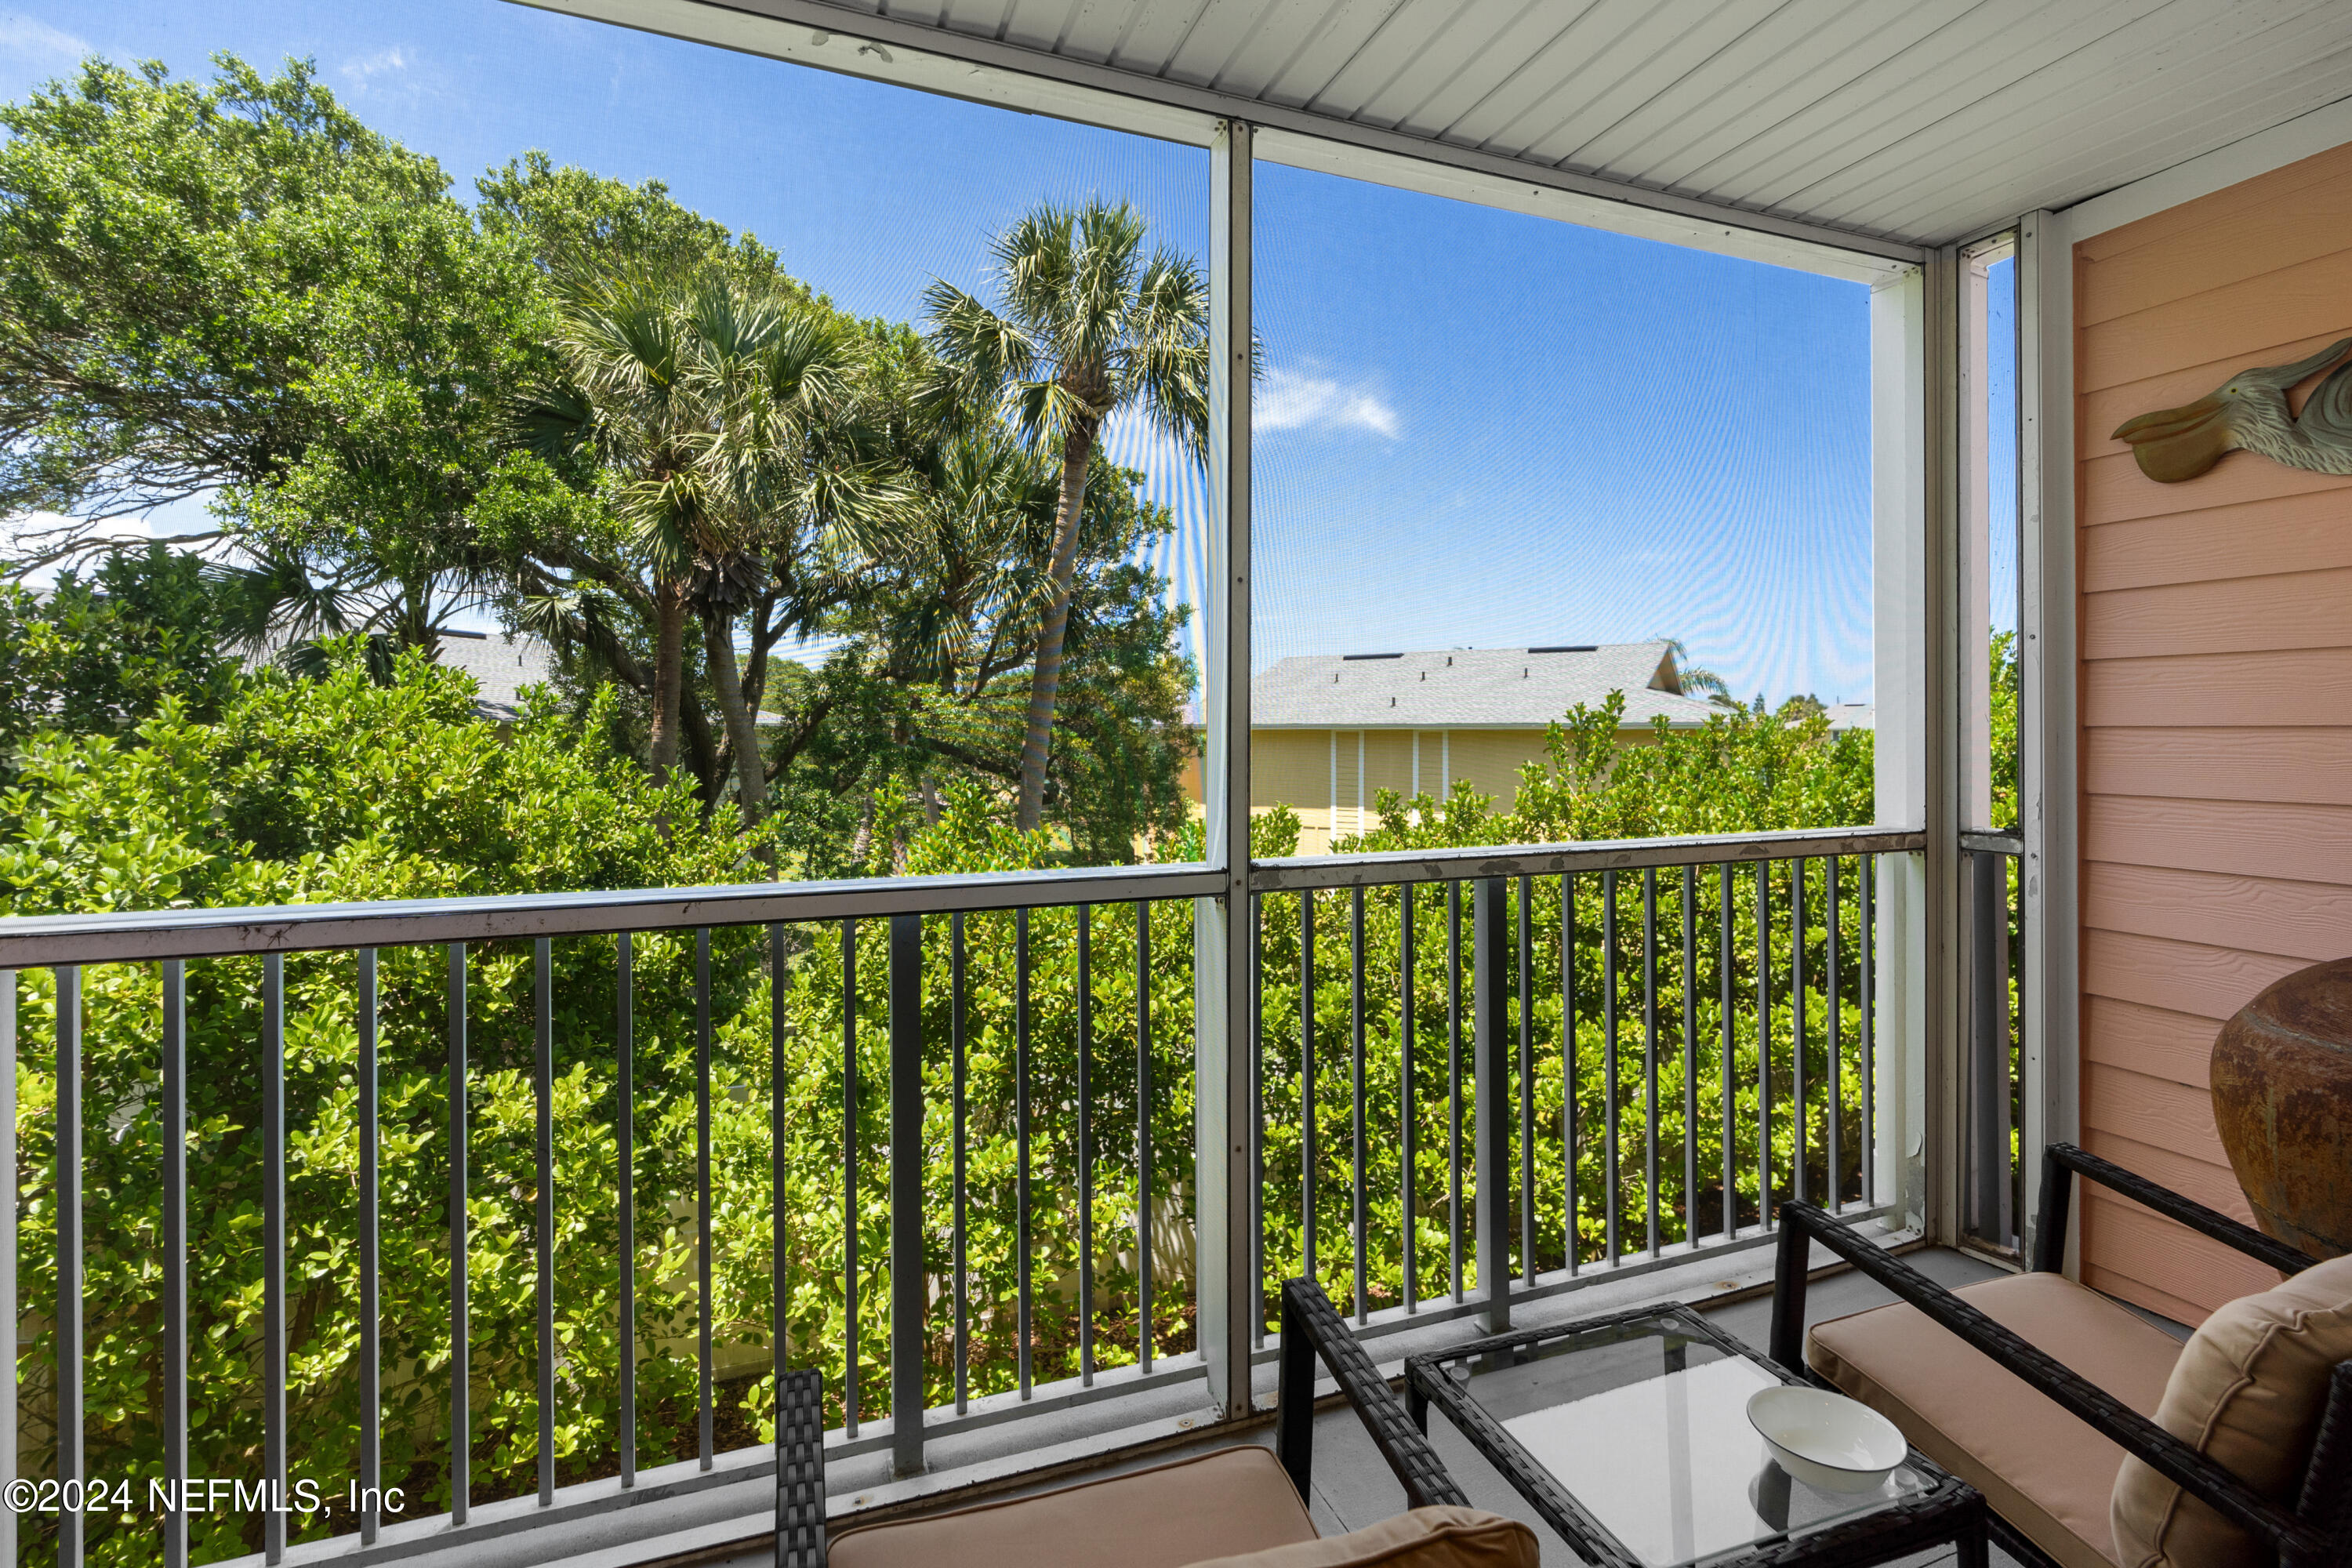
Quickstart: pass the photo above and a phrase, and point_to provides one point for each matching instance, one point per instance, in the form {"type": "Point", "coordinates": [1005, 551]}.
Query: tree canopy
{"type": "Point", "coordinates": [575, 406]}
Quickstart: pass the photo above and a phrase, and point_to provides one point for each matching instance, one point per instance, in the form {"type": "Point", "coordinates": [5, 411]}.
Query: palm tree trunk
{"type": "Point", "coordinates": [742, 734]}
{"type": "Point", "coordinates": [669, 674]}
{"type": "Point", "coordinates": [1045, 685]}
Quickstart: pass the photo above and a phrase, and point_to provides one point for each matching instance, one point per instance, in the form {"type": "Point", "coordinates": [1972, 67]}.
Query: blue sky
{"type": "Point", "coordinates": [1477, 428]}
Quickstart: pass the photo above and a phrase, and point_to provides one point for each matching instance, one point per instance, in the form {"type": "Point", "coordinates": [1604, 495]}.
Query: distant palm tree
{"type": "Point", "coordinates": [1698, 679]}
{"type": "Point", "coordinates": [1084, 325]}
{"type": "Point", "coordinates": [725, 413]}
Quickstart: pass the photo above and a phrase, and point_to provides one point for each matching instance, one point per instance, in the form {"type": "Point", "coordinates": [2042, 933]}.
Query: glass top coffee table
{"type": "Point", "coordinates": [1630, 1435]}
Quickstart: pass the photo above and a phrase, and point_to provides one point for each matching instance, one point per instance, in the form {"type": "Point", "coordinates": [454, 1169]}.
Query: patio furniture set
{"type": "Point", "coordinates": [2037, 1414]}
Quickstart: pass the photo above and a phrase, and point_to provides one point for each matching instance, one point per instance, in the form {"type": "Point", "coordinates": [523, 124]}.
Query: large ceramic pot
{"type": "Point", "coordinates": [2282, 1097]}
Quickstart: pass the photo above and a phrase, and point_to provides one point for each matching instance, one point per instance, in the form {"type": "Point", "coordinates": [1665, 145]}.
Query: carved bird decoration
{"type": "Point", "coordinates": [2248, 412]}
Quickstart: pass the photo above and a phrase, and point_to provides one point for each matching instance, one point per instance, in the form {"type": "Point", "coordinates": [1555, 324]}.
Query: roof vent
{"type": "Point", "coordinates": [1568, 647]}
{"type": "Point", "coordinates": [1352, 656]}
{"type": "Point", "coordinates": [1392, 702]}
{"type": "Point", "coordinates": [1335, 678]}
{"type": "Point", "coordinates": [1524, 669]}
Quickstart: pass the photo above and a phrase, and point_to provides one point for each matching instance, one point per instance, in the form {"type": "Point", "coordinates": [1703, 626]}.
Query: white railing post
{"type": "Point", "coordinates": [1225, 1205]}
{"type": "Point", "coordinates": [1906, 618]}
{"type": "Point", "coordinates": [2046, 760]}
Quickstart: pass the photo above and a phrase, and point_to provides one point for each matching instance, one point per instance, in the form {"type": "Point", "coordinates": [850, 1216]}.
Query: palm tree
{"type": "Point", "coordinates": [621, 338]}
{"type": "Point", "coordinates": [725, 415]}
{"type": "Point", "coordinates": [1697, 680]}
{"type": "Point", "coordinates": [971, 587]}
{"type": "Point", "coordinates": [1084, 325]}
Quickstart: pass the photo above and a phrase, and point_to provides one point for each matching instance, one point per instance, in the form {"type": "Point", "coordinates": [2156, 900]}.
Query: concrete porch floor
{"type": "Point", "coordinates": [1354, 1487]}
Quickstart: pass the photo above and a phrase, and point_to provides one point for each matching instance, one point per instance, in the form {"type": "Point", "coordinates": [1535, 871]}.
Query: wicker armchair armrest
{"type": "Point", "coordinates": [800, 1470]}
{"type": "Point", "coordinates": [1311, 1328]}
{"type": "Point", "coordinates": [2059, 1159]}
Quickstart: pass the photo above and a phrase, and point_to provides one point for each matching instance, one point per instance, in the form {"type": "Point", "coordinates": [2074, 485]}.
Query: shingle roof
{"type": "Point", "coordinates": [502, 665]}
{"type": "Point", "coordinates": [1482, 688]}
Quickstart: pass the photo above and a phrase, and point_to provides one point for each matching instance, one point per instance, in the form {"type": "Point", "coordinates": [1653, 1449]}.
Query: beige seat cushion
{"type": "Point", "coordinates": [1219, 1504]}
{"type": "Point", "coordinates": [2248, 1392]}
{"type": "Point", "coordinates": [2042, 1470]}
{"type": "Point", "coordinates": [1423, 1538]}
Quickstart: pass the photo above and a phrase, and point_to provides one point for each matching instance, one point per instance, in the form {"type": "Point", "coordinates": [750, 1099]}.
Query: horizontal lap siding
{"type": "Point", "coordinates": [2216, 696]}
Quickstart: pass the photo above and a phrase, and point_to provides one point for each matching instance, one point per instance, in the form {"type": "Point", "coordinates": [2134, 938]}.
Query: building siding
{"type": "Point", "coordinates": [2216, 696]}
{"type": "Point", "coordinates": [1295, 768]}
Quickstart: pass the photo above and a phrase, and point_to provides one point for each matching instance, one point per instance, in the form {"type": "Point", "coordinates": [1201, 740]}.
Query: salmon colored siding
{"type": "Point", "coordinates": [2216, 696]}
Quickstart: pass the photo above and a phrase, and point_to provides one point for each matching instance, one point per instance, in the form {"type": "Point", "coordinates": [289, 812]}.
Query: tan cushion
{"type": "Point", "coordinates": [2247, 1391]}
{"type": "Point", "coordinates": [1423, 1538]}
{"type": "Point", "coordinates": [2044, 1471]}
{"type": "Point", "coordinates": [1217, 1504]}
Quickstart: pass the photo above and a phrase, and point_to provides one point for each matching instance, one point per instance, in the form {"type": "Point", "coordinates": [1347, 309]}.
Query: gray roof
{"type": "Point", "coordinates": [1845, 716]}
{"type": "Point", "coordinates": [502, 667]}
{"type": "Point", "coordinates": [1471, 689]}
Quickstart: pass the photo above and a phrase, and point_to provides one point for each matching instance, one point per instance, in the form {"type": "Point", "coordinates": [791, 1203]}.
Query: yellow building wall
{"type": "Point", "coordinates": [1316, 773]}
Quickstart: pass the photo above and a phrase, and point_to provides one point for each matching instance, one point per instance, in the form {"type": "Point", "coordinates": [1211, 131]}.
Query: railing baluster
{"type": "Point", "coordinates": [174, 1417]}
{"type": "Point", "coordinates": [1690, 1056]}
{"type": "Point", "coordinates": [1611, 1192]}
{"type": "Point", "coordinates": [1764, 1043]}
{"type": "Point", "coordinates": [1727, 982]}
{"type": "Point", "coordinates": [1527, 1083]}
{"type": "Point", "coordinates": [544, 1086]}
{"type": "Point", "coordinates": [1454, 1084]}
{"type": "Point", "coordinates": [1086, 919]}
{"type": "Point", "coordinates": [1257, 1121]}
{"type": "Point", "coordinates": [909, 1283]}
{"type": "Point", "coordinates": [8, 1240]}
{"type": "Point", "coordinates": [849, 1177]}
{"type": "Point", "coordinates": [1407, 1107]}
{"type": "Point", "coordinates": [1306, 1080]}
{"type": "Point", "coordinates": [956, 962]}
{"type": "Point", "coordinates": [780, 1280]}
{"type": "Point", "coordinates": [1869, 1029]}
{"type": "Point", "coordinates": [371, 1255]}
{"type": "Point", "coordinates": [68, 1334]}
{"type": "Point", "coordinates": [625, 1119]}
{"type": "Point", "coordinates": [1650, 1057]}
{"type": "Point", "coordinates": [706, 1448]}
{"type": "Point", "coordinates": [461, 1361]}
{"type": "Point", "coordinates": [1835, 1198]}
{"type": "Point", "coordinates": [1490, 1076]}
{"type": "Point", "coordinates": [1568, 1110]}
{"type": "Point", "coordinates": [1801, 1127]}
{"type": "Point", "coordinates": [1143, 1096]}
{"type": "Point", "coordinates": [1021, 1297]}
{"type": "Point", "coordinates": [1356, 1085]}
{"type": "Point", "coordinates": [273, 1247]}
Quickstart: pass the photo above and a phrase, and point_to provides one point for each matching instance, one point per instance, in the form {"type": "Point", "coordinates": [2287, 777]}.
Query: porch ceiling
{"type": "Point", "coordinates": [1925, 121]}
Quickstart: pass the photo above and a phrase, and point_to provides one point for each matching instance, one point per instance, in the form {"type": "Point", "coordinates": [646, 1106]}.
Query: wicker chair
{"type": "Point", "coordinates": [1217, 1506]}
{"type": "Point", "coordinates": [2041, 1358]}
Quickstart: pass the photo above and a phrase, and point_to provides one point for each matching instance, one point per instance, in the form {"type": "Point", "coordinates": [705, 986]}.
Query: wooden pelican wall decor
{"type": "Point", "coordinates": [2249, 412]}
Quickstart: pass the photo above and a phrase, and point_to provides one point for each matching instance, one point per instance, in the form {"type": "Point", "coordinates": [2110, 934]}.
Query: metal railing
{"type": "Point", "coordinates": [1625, 1052]}
{"type": "Point", "coordinates": [1993, 1077]}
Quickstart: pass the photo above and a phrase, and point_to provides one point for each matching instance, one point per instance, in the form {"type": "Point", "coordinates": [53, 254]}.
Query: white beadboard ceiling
{"type": "Point", "coordinates": [1920, 121]}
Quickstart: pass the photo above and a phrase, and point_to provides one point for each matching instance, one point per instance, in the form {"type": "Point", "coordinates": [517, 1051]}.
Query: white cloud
{"type": "Point", "coordinates": [1296, 400]}
{"type": "Point", "coordinates": [383, 62]}
{"type": "Point", "coordinates": [26, 37]}
{"type": "Point", "coordinates": [387, 73]}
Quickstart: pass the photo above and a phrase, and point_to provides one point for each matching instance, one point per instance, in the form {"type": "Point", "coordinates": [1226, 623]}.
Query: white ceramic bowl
{"type": "Point", "coordinates": [1825, 1439]}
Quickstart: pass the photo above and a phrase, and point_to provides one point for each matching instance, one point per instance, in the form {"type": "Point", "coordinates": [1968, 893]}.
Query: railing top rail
{"type": "Point", "coordinates": [1548, 859]}
{"type": "Point", "coordinates": [148, 936]}
{"type": "Point", "coordinates": [135, 936]}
